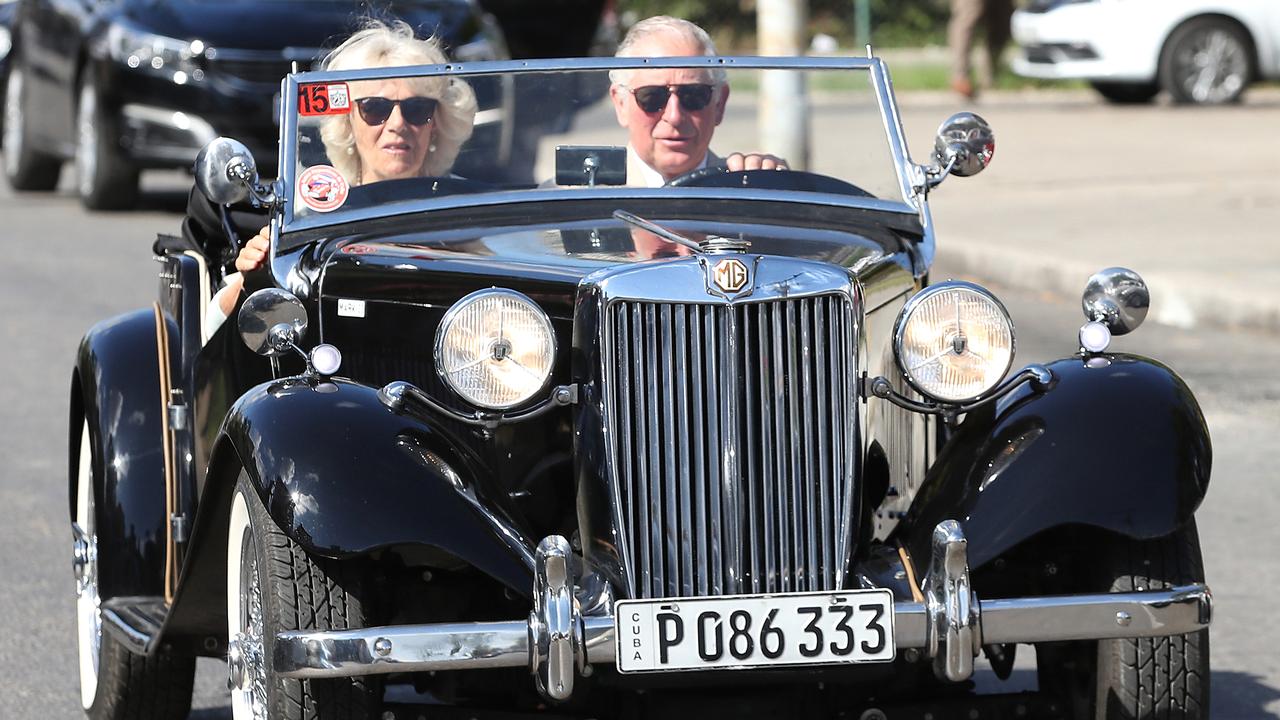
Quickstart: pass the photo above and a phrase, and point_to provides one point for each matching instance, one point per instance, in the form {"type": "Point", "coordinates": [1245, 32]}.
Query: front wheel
{"type": "Point", "coordinates": [115, 683]}
{"type": "Point", "coordinates": [105, 179]}
{"type": "Point", "coordinates": [25, 167]}
{"type": "Point", "coordinates": [1206, 62]}
{"type": "Point", "coordinates": [1138, 678]}
{"type": "Point", "coordinates": [273, 586]}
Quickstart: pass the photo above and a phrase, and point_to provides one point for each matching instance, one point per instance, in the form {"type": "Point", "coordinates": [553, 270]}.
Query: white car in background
{"type": "Point", "coordinates": [1200, 51]}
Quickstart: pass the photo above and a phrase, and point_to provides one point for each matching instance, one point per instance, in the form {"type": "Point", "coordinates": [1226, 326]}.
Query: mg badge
{"type": "Point", "coordinates": [730, 275]}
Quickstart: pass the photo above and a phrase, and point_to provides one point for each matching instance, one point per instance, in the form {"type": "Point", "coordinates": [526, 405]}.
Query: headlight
{"type": "Point", "coordinates": [495, 348]}
{"type": "Point", "coordinates": [165, 56]}
{"type": "Point", "coordinates": [953, 341]}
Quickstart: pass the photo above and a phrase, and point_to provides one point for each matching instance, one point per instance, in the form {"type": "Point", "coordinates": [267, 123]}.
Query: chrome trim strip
{"type": "Point", "coordinates": [458, 646]}
{"type": "Point", "coordinates": [699, 445]}
{"type": "Point", "coordinates": [657, 568]}
{"type": "Point", "coordinates": [753, 496]}
{"type": "Point", "coordinates": [600, 192]}
{"type": "Point", "coordinates": [893, 128]}
{"type": "Point", "coordinates": [197, 127]}
{"type": "Point", "coordinates": [767, 444]}
{"type": "Point", "coordinates": [499, 67]}
{"type": "Point", "coordinates": [682, 478]}
{"type": "Point", "coordinates": [808, 431]}
{"type": "Point", "coordinates": [715, 478]}
{"type": "Point", "coordinates": [665, 409]}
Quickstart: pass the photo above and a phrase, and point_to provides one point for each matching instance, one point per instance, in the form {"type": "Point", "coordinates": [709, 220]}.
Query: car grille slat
{"type": "Point", "coordinates": [682, 477]}
{"type": "Point", "coordinates": [733, 449]}
{"type": "Point", "coordinates": [653, 487]}
{"type": "Point", "coordinates": [714, 466]}
{"type": "Point", "coordinates": [697, 430]}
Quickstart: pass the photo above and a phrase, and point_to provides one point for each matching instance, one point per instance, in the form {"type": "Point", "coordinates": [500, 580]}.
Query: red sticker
{"type": "Point", "coordinates": [357, 249]}
{"type": "Point", "coordinates": [323, 99]}
{"type": "Point", "coordinates": [322, 188]}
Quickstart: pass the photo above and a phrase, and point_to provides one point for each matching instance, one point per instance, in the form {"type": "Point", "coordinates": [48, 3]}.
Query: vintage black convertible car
{"type": "Point", "coordinates": [587, 448]}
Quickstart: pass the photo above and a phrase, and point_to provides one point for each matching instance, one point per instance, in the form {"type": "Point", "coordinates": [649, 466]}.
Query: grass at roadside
{"type": "Point", "coordinates": [931, 75]}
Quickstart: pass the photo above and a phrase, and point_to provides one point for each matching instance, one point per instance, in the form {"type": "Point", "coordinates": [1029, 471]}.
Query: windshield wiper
{"type": "Point", "coordinates": [658, 230]}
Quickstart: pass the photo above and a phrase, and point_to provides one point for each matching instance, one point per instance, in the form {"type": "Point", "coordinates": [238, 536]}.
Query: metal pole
{"type": "Point", "coordinates": [784, 111]}
{"type": "Point", "coordinates": [862, 22]}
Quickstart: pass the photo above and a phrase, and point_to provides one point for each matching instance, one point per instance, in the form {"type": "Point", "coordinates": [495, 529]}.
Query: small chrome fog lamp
{"type": "Point", "coordinates": [495, 348]}
{"type": "Point", "coordinates": [953, 342]}
{"type": "Point", "coordinates": [1115, 301]}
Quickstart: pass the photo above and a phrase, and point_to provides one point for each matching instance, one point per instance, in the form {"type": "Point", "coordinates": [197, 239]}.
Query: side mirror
{"type": "Point", "coordinates": [1118, 298]}
{"type": "Point", "coordinates": [964, 145]}
{"type": "Point", "coordinates": [225, 171]}
{"type": "Point", "coordinates": [272, 322]}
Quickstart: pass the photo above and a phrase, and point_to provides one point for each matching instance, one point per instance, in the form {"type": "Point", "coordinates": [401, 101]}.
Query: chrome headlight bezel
{"type": "Point", "coordinates": [467, 301]}
{"type": "Point", "coordinates": [908, 311]}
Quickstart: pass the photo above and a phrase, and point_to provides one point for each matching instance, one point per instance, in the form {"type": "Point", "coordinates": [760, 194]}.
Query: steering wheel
{"type": "Point", "coordinates": [799, 180]}
{"type": "Point", "coordinates": [699, 176]}
{"type": "Point", "coordinates": [388, 191]}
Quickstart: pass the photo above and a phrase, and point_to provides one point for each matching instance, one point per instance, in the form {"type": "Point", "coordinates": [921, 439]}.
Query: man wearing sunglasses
{"type": "Point", "coordinates": [671, 114]}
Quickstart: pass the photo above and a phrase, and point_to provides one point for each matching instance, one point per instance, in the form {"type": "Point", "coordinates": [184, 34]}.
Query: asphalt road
{"type": "Point", "coordinates": [67, 269]}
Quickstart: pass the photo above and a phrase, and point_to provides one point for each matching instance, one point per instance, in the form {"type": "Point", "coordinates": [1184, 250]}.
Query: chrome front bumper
{"type": "Point", "coordinates": [557, 641]}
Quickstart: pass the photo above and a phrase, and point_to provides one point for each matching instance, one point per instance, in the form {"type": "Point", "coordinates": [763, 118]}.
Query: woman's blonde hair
{"type": "Point", "coordinates": [380, 44]}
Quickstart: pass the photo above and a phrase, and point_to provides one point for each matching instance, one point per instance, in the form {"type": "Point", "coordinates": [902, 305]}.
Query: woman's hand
{"type": "Point", "coordinates": [251, 257]}
{"type": "Point", "coordinates": [254, 252]}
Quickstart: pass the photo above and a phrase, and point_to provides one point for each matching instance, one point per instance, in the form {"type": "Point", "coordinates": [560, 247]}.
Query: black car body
{"type": "Point", "coordinates": [125, 86]}
{"type": "Point", "coordinates": [663, 468]}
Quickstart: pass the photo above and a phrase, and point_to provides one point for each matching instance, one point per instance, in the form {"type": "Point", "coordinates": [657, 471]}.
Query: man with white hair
{"type": "Point", "coordinates": [671, 113]}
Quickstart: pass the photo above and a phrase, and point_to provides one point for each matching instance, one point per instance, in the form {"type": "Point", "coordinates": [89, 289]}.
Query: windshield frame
{"type": "Point", "coordinates": [881, 85]}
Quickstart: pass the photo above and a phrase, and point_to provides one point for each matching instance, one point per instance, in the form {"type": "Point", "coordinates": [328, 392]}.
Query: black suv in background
{"type": "Point", "coordinates": [119, 86]}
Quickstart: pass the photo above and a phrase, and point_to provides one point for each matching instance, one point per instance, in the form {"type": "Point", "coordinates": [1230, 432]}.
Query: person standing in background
{"type": "Point", "coordinates": [966, 15]}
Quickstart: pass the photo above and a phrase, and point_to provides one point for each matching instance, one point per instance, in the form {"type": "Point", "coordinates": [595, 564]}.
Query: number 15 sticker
{"type": "Point", "coordinates": [324, 99]}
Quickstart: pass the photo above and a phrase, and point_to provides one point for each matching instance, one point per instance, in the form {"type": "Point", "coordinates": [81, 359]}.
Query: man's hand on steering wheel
{"type": "Point", "coordinates": [754, 161]}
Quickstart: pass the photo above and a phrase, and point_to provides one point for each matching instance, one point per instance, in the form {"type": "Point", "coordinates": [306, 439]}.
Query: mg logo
{"type": "Point", "coordinates": [730, 275]}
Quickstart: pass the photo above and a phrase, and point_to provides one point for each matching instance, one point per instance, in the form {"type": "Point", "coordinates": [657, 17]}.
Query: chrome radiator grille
{"type": "Point", "coordinates": [732, 443]}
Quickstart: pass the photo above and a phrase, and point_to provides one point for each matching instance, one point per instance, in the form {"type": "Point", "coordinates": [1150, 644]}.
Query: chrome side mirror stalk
{"type": "Point", "coordinates": [273, 322]}
{"type": "Point", "coordinates": [963, 146]}
{"type": "Point", "coordinates": [225, 173]}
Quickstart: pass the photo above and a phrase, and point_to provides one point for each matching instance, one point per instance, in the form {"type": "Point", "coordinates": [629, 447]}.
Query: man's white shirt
{"type": "Point", "coordinates": [652, 178]}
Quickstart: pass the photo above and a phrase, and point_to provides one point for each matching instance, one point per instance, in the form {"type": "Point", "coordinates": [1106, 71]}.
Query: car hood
{"type": "Point", "coordinates": [547, 262]}
{"type": "Point", "coordinates": [276, 24]}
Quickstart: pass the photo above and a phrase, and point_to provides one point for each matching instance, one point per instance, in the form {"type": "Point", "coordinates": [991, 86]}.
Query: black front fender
{"type": "Point", "coordinates": [116, 389]}
{"type": "Point", "coordinates": [1118, 442]}
{"type": "Point", "coordinates": [343, 475]}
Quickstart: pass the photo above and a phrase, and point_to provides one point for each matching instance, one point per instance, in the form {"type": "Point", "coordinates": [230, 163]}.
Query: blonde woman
{"type": "Point", "coordinates": [398, 128]}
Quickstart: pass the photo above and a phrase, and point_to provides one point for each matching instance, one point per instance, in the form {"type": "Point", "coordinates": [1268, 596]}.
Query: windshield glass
{"type": "Point", "coordinates": [397, 140]}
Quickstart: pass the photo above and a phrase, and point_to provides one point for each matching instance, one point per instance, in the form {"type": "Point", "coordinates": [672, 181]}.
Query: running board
{"type": "Point", "coordinates": [135, 621]}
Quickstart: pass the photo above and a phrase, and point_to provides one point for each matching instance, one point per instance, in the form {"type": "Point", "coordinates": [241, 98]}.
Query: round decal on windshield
{"type": "Point", "coordinates": [322, 188]}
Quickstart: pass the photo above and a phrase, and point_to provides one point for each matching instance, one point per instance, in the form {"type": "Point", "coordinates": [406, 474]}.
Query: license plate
{"type": "Point", "coordinates": [739, 631]}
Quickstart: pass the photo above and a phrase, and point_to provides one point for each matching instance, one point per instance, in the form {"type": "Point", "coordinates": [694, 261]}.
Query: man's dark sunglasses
{"type": "Point", "coordinates": [693, 97]}
{"type": "Point", "coordinates": [415, 110]}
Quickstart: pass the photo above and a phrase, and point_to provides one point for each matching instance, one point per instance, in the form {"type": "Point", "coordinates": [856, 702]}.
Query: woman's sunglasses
{"type": "Point", "coordinates": [653, 98]}
{"type": "Point", "coordinates": [414, 110]}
